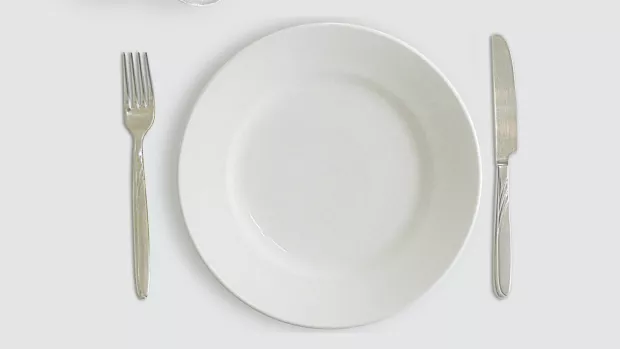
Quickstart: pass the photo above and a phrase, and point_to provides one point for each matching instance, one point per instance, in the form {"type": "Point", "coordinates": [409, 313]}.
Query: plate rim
{"type": "Point", "coordinates": [479, 175]}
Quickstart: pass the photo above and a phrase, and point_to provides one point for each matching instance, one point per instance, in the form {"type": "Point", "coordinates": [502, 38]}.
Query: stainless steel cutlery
{"type": "Point", "coordinates": [139, 113]}
{"type": "Point", "coordinates": [505, 115]}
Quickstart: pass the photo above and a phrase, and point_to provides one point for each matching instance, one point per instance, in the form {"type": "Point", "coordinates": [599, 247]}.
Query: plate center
{"type": "Point", "coordinates": [327, 173]}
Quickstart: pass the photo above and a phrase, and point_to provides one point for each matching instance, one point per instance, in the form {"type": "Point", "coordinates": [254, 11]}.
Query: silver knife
{"type": "Point", "coordinates": [505, 114]}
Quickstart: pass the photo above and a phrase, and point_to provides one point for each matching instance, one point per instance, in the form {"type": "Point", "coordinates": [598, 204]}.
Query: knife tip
{"type": "Point", "coordinates": [496, 37]}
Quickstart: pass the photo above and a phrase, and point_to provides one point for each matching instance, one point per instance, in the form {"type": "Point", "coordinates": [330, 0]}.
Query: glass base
{"type": "Point", "coordinates": [199, 2]}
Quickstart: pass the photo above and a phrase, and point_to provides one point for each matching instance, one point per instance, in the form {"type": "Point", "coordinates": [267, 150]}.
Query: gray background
{"type": "Point", "coordinates": [65, 232]}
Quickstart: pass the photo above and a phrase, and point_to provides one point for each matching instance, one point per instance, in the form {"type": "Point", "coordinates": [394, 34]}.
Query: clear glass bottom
{"type": "Point", "coordinates": [199, 2]}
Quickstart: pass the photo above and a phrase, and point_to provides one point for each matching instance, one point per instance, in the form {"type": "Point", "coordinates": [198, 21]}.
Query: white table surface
{"type": "Point", "coordinates": [65, 233]}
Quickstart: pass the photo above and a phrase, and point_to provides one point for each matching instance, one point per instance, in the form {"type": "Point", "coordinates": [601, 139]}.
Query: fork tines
{"type": "Point", "coordinates": [137, 83]}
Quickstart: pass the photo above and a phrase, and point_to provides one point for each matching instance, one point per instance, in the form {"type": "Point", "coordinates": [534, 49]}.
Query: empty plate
{"type": "Point", "coordinates": [329, 175]}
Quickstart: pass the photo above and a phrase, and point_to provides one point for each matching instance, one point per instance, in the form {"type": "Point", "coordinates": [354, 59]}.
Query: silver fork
{"type": "Point", "coordinates": [139, 113]}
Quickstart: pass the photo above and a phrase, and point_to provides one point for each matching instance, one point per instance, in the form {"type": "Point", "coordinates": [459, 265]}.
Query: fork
{"type": "Point", "coordinates": [139, 114]}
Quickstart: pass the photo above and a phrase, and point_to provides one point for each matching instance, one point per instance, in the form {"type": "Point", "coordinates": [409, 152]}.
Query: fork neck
{"type": "Point", "coordinates": [138, 137]}
{"type": "Point", "coordinates": [138, 140]}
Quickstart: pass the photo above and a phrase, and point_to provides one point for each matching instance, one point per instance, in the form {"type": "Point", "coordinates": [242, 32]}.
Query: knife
{"type": "Point", "coordinates": [505, 115]}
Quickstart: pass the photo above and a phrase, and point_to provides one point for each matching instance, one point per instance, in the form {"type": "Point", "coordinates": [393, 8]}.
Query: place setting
{"type": "Point", "coordinates": [329, 174]}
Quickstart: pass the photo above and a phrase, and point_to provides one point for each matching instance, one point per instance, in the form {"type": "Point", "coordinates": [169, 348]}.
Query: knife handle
{"type": "Point", "coordinates": [501, 236]}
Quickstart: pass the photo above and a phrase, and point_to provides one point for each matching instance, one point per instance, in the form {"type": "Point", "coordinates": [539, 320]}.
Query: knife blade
{"type": "Point", "coordinates": [505, 117]}
{"type": "Point", "coordinates": [504, 99]}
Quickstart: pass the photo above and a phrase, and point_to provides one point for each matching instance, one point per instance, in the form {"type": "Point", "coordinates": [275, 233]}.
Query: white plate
{"type": "Point", "coordinates": [329, 175]}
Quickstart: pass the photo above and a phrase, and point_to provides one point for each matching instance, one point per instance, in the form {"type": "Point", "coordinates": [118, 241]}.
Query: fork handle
{"type": "Point", "coordinates": [501, 239]}
{"type": "Point", "coordinates": [140, 222]}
